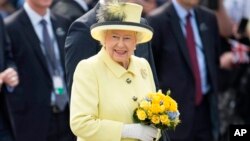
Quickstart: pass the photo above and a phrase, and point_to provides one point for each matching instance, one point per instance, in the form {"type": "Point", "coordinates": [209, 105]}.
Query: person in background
{"type": "Point", "coordinates": [17, 3]}
{"type": "Point", "coordinates": [112, 78]}
{"type": "Point", "coordinates": [39, 105]}
{"type": "Point", "coordinates": [243, 13]}
{"type": "Point", "coordinates": [8, 80]}
{"type": "Point", "coordinates": [186, 51]}
{"type": "Point", "coordinates": [6, 8]}
{"type": "Point", "coordinates": [71, 9]}
{"type": "Point", "coordinates": [149, 5]}
{"type": "Point", "coordinates": [241, 32]}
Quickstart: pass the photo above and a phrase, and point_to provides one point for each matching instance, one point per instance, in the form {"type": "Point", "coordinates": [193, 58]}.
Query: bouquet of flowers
{"type": "Point", "coordinates": [159, 110]}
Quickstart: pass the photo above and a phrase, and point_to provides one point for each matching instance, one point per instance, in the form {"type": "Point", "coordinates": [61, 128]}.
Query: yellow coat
{"type": "Point", "coordinates": [102, 96]}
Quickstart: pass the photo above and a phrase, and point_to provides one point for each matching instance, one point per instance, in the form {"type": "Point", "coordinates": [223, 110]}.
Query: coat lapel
{"type": "Point", "coordinates": [33, 38]}
{"type": "Point", "coordinates": [203, 28]}
{"type": "Point", "coordinates": [205, 36]}
{"type": "Point", "coordinates": [175, 24]}
{"type": "Point", "coordinates": [59, 34]}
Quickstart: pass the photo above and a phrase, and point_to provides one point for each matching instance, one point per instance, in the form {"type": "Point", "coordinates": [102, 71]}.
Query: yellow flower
{"type": "Point", "coordinates": [162, 108]}
{"type": "Point", "coordinates": [155, 119]}
{"type": "Point", "coordinates": [150, 114]}
{"type": "Point", "coordinates": [173, 106]}
{"type": "Point", "coordinates": [145, 105]}
{"type": "Point", "coordinates": [157, 98]}
{"type": "Point", "coordinates": [141, 114]}
{"type": "Point", "coordinates": [160, 94]}
{"type": "Point", "coordinates": [155, 108]}
{"type": "Point", "coordinates": [164, 119]}
{"type": "Point", "coordinates": [166, 102]}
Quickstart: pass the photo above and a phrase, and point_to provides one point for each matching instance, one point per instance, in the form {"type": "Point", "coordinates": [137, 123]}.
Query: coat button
{"type": "Point", "coordinates": [128, 80]}
{"type": "Point", "coordinates": [134, 98]}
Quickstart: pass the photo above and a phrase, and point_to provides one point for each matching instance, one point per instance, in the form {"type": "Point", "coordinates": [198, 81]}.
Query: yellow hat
{"type": "Point", "coordinates": [121, 16]}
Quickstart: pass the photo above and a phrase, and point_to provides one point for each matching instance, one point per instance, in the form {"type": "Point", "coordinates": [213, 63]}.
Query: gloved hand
{"type": "Point", "coordinates": [139, 131]}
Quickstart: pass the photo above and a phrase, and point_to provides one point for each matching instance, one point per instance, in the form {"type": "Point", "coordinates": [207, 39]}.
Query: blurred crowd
{"type": "Point", "coordinates": [26, 108]}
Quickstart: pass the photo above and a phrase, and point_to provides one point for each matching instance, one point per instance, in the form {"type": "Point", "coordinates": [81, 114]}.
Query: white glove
{"type": "Point", "coordinates": [139, 131]}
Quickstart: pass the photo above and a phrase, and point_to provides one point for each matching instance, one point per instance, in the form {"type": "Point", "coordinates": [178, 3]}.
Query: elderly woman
{"type": "Point", "coordinates": [106, 85]}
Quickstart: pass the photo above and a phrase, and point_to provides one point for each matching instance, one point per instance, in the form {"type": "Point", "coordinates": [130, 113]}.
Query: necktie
{"type": "Point", "coordinates": [53, 65]}
{"type": "Point", "coordinates": [193, 58]}
{"type": "Point", "coordinates": [48, 46]}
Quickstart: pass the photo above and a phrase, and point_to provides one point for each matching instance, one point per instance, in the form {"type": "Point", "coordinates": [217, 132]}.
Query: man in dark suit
{"type": "Point", "coordinates": [70, 9]}
{"type": "Point", "coordinates": [8, 78]}
{"type": "Point", "coordinates": [39, 105]}
{"type": "Point", "coordinates": [185, 46]}
{"type": "Point", "coordinates": [80, 45]}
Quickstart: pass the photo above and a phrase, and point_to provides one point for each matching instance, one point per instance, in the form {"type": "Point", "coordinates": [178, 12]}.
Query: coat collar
{"type": "Point", "coordinates": [116, 68]}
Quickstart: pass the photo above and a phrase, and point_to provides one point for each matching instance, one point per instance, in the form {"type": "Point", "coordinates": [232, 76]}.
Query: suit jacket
{"type": "Point", "coordinates": [68, 9]}
{"type": "Point", "coordinates": [30, 103]}
{"type": "Point", "coordinates": [2, 45]}
{"type": "Point", "coordinates": [5, 61]}
{"type": "Point", "coordinates": [80, 45]}
{"type": "Point", "coordinates": [173, 63]}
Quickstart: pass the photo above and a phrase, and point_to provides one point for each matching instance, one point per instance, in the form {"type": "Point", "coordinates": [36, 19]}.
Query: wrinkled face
{"type": "Point", "coordinates": [120, 45]}
{"type": "Point", "coordinates": [189, 3]}
{"type": "Point", "coordinates": [40, 3]}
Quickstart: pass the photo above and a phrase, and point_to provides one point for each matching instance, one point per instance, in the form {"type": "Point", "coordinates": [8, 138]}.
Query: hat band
{"type": "Point", "coordinates": [122, 23]}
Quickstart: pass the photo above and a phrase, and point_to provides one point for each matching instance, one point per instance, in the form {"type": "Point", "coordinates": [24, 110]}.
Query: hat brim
{"type": "Point", "coordinates": [144, 32]}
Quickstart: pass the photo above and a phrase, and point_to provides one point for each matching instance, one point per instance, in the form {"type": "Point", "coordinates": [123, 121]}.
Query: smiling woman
{"type": "Point", "coordinates": [120, 45]}
{"type": "Point", "coordinates": [104, 85]}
